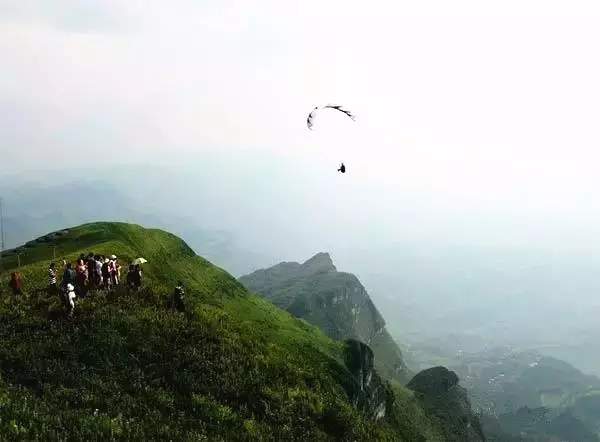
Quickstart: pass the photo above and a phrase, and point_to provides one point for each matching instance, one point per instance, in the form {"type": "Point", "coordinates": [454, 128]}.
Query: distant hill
{"type": "Point", "coordinates": [232, 367]}
{"type": "Point", "coordinates": [523, 394]}
{"type": "Point", "coordinates": [334, 301]}
{"type": "Point", "coordinates": [30, 210]}
{"type": "Point", "coordinates": [502, 380]}
{"type": "Point", "coordinates": [537, 425]}
{"type": "Point", "coordinates": [448, 404]}
{"type": "Point", "coordinates": [529, 295]}
{"type": "Point", "coordinates": [585, 406]}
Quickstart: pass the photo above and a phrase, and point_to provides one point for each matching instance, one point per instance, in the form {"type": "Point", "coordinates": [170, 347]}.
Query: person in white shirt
{"type": "Point", "coordinates": [71, 298]}
{"type": "Point", "coordinates": [115, 270]}
{"type": "Point", "coordinates": [98, 270]}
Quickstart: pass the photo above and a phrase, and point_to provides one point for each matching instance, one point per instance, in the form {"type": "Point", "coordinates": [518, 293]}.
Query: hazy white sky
{"type": "Point", "coordinates": [475, 106]}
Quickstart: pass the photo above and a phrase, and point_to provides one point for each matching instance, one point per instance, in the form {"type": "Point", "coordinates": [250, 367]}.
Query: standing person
{"type": "Point", "coordinates": [52, 287]}
{"type": "Point", "coordinates": [129, 277]}
{"type": "Point", "coordinates": [178, 295]}
{"type": "Point", "coordinates": [105, 274]}
{"type": "Point", "coordinates": [91, 269]}
{"type": "Point", "coordinates": [81, 277]}
{"type": "Point", "coordinates": [137, 277]}
{"type": "Point", "coordinates": [70, 299]}
{"type": "Point", "coordinates": [15, 283]}
{"type": "Point", "coordinates": [115, 270]}
{"type": "Point", "coordinates": [68, 275]}
{"type": "Point", "coordinates": [98, 260]}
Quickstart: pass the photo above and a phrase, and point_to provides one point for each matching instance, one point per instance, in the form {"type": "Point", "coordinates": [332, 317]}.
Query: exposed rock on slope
{"type": "Point", "coordinates": [447, 404]}
{"type": "Point", "coordinates": [334, 301]}
{"type": "Point", "coordinates": [369, 393]}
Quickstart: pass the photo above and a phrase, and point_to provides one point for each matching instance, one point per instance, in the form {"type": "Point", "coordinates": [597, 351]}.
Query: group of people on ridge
{"type": "Point", "coordinates": [90, 272]}
{"type": "Point", "coordinates": [93, 272]}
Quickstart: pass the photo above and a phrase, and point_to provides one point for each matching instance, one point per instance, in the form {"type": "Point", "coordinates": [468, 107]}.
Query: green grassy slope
{"type": "Point", "coordinates": [124, 367]}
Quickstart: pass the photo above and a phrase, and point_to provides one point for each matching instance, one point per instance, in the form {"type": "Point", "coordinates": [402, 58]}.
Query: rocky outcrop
{"type": "Point", "coordinates": [366, 390]}
{"type": "Point", "coordinates": [334, 301]}
{"type": "Point", "coordinates": [320, 263]}
{"type": "Point", "coordinates": [447, 404]}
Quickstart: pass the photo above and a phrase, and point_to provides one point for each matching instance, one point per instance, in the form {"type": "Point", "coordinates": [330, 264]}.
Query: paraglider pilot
{"type": "Point", "coordinates": [342, 168]}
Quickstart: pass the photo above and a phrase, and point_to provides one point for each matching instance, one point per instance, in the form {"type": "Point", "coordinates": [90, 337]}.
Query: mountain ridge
{"type": "Point", "coordinates": [332, 300]}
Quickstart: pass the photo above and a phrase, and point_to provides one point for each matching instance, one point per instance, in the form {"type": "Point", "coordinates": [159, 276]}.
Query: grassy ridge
{"type": "Point", "coordinates": [124, 367]}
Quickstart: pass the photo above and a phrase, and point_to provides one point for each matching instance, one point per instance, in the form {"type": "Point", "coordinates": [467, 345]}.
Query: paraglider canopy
{"type": "Point", "coordinates": [311, 116]}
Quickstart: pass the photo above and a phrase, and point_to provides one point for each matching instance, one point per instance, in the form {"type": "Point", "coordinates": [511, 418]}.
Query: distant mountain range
{"type": "Point", "coordinates": [35, 209]}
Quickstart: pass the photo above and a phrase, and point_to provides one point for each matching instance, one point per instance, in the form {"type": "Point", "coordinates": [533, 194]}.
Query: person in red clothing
{"type": "Point", "coordinates": [81, 277]}
{"type": "Point", "coordinates": [15, 283]}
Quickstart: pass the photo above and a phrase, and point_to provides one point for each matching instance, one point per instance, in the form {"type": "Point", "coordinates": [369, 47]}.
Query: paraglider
{"type": "Point", "coordinates": [311, 117]}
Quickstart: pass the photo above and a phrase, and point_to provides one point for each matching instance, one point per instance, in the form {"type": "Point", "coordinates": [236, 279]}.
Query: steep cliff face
{"type": "Point", "coordinates": [366, 390]}
{"type": "Point", "coordinates": [334, 301]}
{"type": "Point", "coordinates": [447, 404]}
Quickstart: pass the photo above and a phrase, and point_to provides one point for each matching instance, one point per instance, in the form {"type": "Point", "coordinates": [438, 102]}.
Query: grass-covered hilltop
{"type": "Point", "coordinates": [126, 366]}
